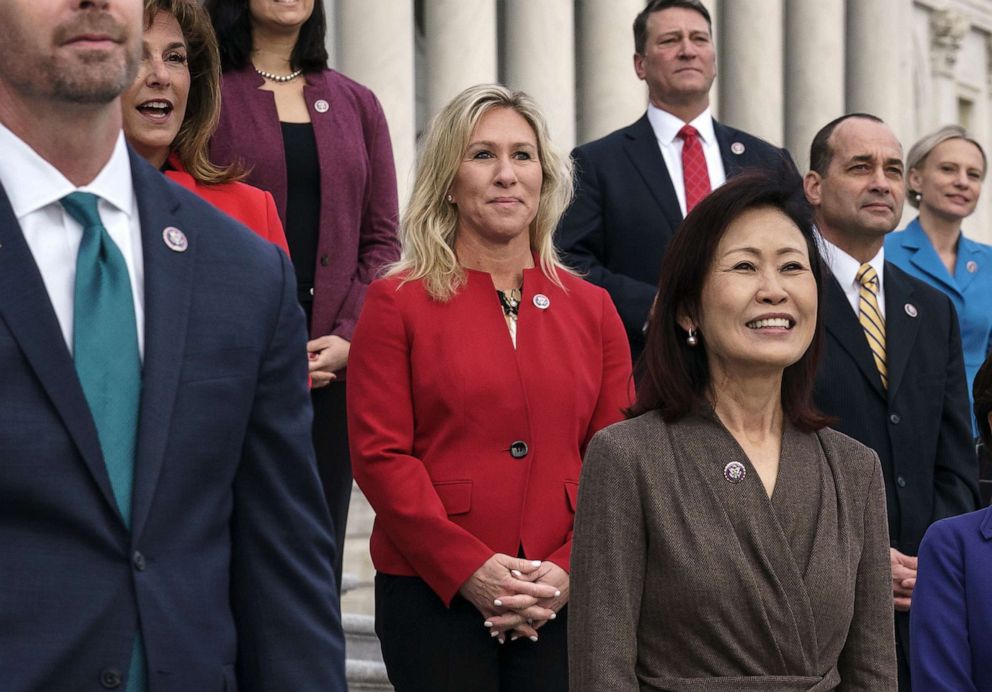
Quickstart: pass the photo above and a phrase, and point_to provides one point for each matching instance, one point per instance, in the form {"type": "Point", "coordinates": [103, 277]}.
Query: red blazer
{"type": "Point", "coordinates": [253, 207]}
{"type": "Point", "coordinates": [441, 408]}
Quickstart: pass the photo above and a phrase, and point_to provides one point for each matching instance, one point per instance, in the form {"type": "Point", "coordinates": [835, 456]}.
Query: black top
{"type": "Point", "coordinates": [302, 204]}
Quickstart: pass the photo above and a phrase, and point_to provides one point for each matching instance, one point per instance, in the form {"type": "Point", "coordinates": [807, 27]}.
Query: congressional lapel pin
{"type": "Point", "coordinates": [737, 148]}
{"type": "Point", "coordinates": [734, 472]}
{"type": "Point", "coordinates": [321, 106]}
{"type": "Point", "coordinates": [175, 239]}
{"type": "Point", "coordinates": [972, 266]}
{"type": "Point", "coordinates": [911, 310]}
{"type": "Point", "coordinates": [541, 301]}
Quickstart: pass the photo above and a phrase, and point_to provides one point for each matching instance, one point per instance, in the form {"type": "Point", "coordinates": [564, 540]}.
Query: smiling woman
{"type": "Point", "coordinates": [725, 538]}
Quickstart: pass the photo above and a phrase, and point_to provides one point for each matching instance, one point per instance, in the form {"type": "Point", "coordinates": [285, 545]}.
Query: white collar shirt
{"type": "Point", "coordinates": [845, 270]}
{"type": "Point", "coordinates": [34, 188]}
{"type": "Point", "coordinates": [666, 130]}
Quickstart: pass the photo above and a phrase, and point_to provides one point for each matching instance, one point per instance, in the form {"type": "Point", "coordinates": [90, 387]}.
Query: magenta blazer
{"type": "Point", "coordinates": [358, 202]}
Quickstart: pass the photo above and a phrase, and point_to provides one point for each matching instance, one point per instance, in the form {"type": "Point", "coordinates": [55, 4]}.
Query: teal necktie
{"type": "Point", "coordinates": [105, 351]}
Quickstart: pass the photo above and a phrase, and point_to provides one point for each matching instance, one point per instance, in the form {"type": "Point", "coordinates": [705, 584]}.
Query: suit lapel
{"type": "Point", "coordinates": [168, 291]}
{"type": "Point", "coordinates": [734, 157]}
{"type": "Point", "coordinates": [902, 321]}
{"type": "Point", "coordinates": [641, 147]}
{"type": "Point", "coordinates": [924, 257]}
{"type": "Point", "coordinates": [26, 309]}
{"type": "Point", "coordinates": [842, 324]}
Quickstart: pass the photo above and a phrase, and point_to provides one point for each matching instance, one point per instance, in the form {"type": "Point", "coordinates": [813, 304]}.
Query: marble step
{"type": "Point", "coordinates": [363, 665]}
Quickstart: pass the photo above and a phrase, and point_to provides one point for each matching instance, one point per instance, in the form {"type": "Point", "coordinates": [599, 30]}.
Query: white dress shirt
{"type": "Point", "coordinates": [666, 129]}
{"type": "Point", "coordinates": [34, 188]}
{"type": "Point", "coordinates": [845, 269]}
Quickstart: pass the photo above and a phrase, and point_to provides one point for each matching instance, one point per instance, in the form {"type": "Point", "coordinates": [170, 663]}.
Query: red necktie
{"type": "Point", "coordinates": [694, 173]}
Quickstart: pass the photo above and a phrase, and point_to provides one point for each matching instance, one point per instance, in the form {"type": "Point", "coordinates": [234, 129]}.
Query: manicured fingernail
{"type": "Point", "coordinates": [553, 616]}
{"type": "Point", "coordinates": [557, 593]}
{"type": "Point", "coordinates": [487, 624]}
{"type": "Point", "coordinates": [535, 563]}
{"type": "Point", "coordinates": [494, 633]}
{"type": "Point", "coordinates": [533, 637]}
{"type": "Point", "coordinates": [516, 573]}
{"type": "Point", "coordinates": [502, 640]}
{"type": "Point", "coordinates": [514, 637]}
{"type": "Point", "coordinates": [497, 603]}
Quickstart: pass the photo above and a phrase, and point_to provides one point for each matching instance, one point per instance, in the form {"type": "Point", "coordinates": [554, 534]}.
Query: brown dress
{"type": "Point", "coordinates": [684, 580]}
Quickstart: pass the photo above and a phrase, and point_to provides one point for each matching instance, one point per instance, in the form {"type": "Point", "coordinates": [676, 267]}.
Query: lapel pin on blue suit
{"type": "Point", "coordinates": [734, 472]}
{"type": "Point", "coordinates": [911, 310]}
{"type": "Point", "coordinates": [541, 301]}
{"type": "Point", "coordinates": [972, 266]}
{"type": "Point", "coordinates": [321, 106]}
{"type": "Point", "coordinates": [737, 148]}
{"type": "Point", "coordinates": [175, 239]}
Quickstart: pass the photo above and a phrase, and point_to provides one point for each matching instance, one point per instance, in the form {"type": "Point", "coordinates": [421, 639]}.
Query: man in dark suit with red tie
{"type": "Point", "coordinates": [162, 527]}
{"type": "Point", "coordinates": [634, 186]}
{"type": "Point", "coordinates": [892, 372]}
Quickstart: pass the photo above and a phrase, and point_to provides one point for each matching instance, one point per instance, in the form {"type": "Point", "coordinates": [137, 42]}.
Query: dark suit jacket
{"type": "Point", "coordinates": [359, 209]}
{"type": "Point", "coordinates": [920, 427]}
{"type": "Point", "coordinates": [683, 581]}
{"type": "Point", "coordinates": [465, 445]}
{"type": "Point", "coordinates": [233, 587]}
{"type": "Point", "coordinates": [625, 211]}
{"type": "Point", "coordinates": [952, 606]}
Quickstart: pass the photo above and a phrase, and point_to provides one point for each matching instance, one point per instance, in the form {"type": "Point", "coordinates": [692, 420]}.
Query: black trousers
{"type": "Point", "coordinates": [902, 651]}
{"type": "Point", "coordinates": [330, 443]}
{"type": "Point", "coordinates": [428, 647]}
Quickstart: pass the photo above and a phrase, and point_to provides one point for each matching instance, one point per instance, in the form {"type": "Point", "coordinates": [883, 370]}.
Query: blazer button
{"type": "Point", "coordinates": [138, 560]}
{"type": "Point", "coordinates": [518, 450]}
{"type": "Point", "coordinates": [110, 678]}
{"type": "Point", "coordinates": [894, 418]}
{"type": "Point", "coordinates": [324, 260]}
{"type": "Point", "coordinates": [900, 481]}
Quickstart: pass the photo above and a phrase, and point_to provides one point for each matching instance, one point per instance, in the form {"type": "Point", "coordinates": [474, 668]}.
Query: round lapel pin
{"type": "Point", "coordinates": [911, 310]}
{"type": "Point", "coordinates": [972, 266]}
{"type": "Point", "coordinates": [175, 239]}
{"type": "Point", "coordinates": [321, 106]}
{"type": "Point", "coordinates": [541, 301]}
{"type": "Point", "coordinates": [734, 472]}
{"type": "Point", "coordinates": [737, 148]}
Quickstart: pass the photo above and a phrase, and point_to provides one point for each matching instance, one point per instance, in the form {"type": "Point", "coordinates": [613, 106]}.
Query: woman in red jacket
{"type": "Point", "coordinates": [480, 369]}
{"type": "Point", "coordinates": [172, 108]}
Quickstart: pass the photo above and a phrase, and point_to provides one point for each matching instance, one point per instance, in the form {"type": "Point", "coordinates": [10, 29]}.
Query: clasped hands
{"type": "Point", "coordinates": [903, 579]}
{"type": "Point", "coordinates": [516, 596]}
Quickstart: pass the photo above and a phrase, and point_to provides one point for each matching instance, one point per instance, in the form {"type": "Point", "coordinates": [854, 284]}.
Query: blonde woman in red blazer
{"type": "Point", "coordinates": [480, 370]}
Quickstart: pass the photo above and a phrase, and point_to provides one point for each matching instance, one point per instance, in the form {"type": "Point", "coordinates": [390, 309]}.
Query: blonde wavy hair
{"type": "Point", "coordinates": [429, 224]}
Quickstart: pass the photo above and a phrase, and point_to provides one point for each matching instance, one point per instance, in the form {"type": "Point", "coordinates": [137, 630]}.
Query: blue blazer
{"type": "Point", "coordinates": [970, 289]}
{"type": "Point", "coordinates": [951, 617]}
{"type": "Point", "coordinates": [227, 570]}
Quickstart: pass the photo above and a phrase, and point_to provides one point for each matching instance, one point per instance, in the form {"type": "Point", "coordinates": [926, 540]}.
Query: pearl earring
{"type": "Point", "coordinates": [692, 339]}
{"type": "Point", "coordinates": [451, 200]}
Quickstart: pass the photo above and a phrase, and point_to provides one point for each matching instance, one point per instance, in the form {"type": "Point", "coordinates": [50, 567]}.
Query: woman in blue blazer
{"type": "Point", "coordinates": [945, 174]}
{"type": "Point", "coordinates": [951, 615]}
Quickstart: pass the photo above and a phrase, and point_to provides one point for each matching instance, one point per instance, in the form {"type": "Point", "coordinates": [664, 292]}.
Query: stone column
{"type": "Point", "coordinates": [751, 54]}
{"type": "Point", "coordinates": [460, 37]}
{"type": "Point", "coordinates": [539, 58]}
{"type": "Point", "coordinates": [609, 93]}
{"type": "Point", "coordinates": [947, 31]}
{"type": "Point", "coordinates": [814, 71]}
{"type": "Point", "coordinates": [879, 62]}
{"type": "Point", "coordinates": [374, 41]}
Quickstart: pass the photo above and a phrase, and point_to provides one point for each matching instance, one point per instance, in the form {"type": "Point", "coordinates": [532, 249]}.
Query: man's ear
{"type": "Point", "coordinates": [639, 66]}
{"type": "Point", "coordinates": [812, 186]}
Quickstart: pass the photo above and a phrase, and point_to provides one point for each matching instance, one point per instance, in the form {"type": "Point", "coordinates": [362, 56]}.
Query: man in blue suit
{"type": "Point", "coordinates": [161, 521]}
{"type": "Point", "coordinates": [634, 186]}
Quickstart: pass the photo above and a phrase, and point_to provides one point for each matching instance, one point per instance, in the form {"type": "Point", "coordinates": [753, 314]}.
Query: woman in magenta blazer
{"type": "Point", "coordinates": [480, 371]}
{"type": "Point", "coordinates": [951, 617]}
{"type": "Point", "coordinates": [172, 107]}
{"type": "Point", "coordinates": [318, 142]}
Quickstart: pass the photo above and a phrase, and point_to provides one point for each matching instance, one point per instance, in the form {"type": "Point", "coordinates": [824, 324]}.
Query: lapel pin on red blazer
{"type": "Point", "coordinates": [175, 239]}
{"type": "Point", "coordinates": [737, 148]}
{"type": "Point", "coordinates": [541, 301]}
{"type": "Point", "coordinates": [911, 310]}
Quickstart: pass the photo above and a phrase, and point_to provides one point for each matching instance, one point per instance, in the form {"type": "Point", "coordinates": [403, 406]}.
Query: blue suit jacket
{"type": "Point", "coordinates": [951, 616]}
{"type": "Point", "coordinates": [970, 289]}
{"type": "Point", "coordinates": [227, 570]}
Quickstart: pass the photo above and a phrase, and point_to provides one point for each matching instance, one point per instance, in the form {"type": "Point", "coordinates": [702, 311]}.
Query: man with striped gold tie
{"type": "Point", "coordinates": [892, 372]}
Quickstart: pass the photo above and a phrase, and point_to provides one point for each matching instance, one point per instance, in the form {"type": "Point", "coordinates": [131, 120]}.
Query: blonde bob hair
{"type": "Point", "coordinates": [429, 224]}
{"type": "Point", "coordinates": [921, 150]}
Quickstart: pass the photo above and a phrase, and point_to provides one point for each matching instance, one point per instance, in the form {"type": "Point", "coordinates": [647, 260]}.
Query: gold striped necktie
{"type": "Point", "coordinates": [870, 317]}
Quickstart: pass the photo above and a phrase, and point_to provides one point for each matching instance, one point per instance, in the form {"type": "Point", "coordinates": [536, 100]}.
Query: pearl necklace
{"type": "Point", "coordinates": [281, 78]}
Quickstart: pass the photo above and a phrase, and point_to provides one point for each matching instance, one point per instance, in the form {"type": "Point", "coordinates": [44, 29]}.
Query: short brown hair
{"type": "Point", "coordinates": [641, 21]}
{"type": "Point", "coordinates": [673, 377]}
{"type": "Point", "coordinates": [820, 151]}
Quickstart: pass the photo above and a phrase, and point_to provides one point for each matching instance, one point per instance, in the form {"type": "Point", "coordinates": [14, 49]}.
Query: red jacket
{"type": "Point", "coordinates": [253, 207]}
{"type": "Point", "coordinates": [466, 446]}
